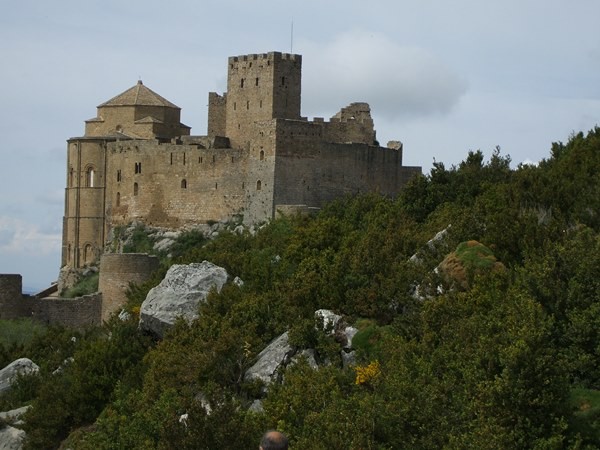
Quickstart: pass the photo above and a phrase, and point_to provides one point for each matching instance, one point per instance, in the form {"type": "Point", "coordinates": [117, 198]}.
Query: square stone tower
{"type": "Point", "coordinates": [260, 87]}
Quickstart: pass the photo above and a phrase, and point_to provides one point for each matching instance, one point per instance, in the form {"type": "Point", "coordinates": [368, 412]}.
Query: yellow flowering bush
{"type": "Point", "coordinates": [365, 374]}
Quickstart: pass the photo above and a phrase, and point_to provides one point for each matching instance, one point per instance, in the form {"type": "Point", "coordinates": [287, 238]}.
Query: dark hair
{"type": "Point", "coordinates": [274, 440]}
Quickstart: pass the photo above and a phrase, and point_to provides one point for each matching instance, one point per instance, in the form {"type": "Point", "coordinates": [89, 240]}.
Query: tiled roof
{"type": "Point", "coordinates": [139, 95]}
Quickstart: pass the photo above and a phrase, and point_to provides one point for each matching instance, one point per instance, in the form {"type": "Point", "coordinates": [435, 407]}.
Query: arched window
{"type": "Point", "coordinates": [89, 176]}
{"type": "Point", "coordinates": [135, 189]}
{"type": "Point", "coordinates": [258, 185]}
{"type": "Point", "coordinates": [262, 155]}
{"type": "Point", "coordinates": [183, 184]}
{"type": "Point", "coordinates": [118, 201]}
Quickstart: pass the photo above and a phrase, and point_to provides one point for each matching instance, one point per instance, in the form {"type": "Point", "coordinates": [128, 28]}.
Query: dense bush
{"type": "Point", "coordinates": [511, 361]}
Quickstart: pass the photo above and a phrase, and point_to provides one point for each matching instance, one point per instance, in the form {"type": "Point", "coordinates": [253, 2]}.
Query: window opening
{"type": "Point", "coordinates": [256, 81]}
{"type": "Point", "coordinates": [135, 189]}
{"type": "Point", "coordinates": [262, 155]}
{"type": "Point", "coordinates": [118, 202]}
{"type": "Point", "coordinates": [183, 184]}
{"type": "Point", "coordinates": [258, 185]}
{"type": "Point", "coordinates": [242, 83]}
{"type": "Point", "coordinates": [89, 177]}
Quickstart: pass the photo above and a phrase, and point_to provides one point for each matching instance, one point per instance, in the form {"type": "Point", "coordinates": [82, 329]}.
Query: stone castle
{"type": "Point", "coordinates": [138, 162]}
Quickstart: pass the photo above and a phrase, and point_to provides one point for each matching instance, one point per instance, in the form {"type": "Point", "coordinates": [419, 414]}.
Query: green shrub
{"type": "Point", "coordinates": [19, 331]}
{"type": "Point", "coordinates": [85, 286]}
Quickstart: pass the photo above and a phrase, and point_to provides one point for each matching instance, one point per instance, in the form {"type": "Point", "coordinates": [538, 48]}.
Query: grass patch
{"type": "Point", "coordinates": [19, 331]}
{"type": "Point", "coordinates": [139, 242]}
{"type": "Point", "coordinates": [85, 286]}
{"type": "Point", "coordinates": [475, 255]}
{"type": "Point", "coordinates": [585, 404]}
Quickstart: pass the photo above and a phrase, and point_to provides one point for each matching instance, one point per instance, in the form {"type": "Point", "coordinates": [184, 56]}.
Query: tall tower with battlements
{"type": "Point", "coordinates": [260, 87]}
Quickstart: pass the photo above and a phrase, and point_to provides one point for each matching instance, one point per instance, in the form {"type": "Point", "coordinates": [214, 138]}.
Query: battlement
{"type": "Point", "coordinates": [271, 56]}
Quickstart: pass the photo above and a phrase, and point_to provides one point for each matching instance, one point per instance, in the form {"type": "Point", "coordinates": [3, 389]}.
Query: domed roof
{"type": "Point", "coordinates": [139, 95]}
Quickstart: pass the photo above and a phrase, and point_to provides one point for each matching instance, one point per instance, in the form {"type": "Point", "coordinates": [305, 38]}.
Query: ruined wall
{"type": "Point", "coordinates": [351, 124]}
{"type": "Point", "coordinates": [12, 303]}
{"type": "Point", "coordinates": [116, 272]}
{"type": "Point", "coordinates": [69, 312]}
{"type": "Point", "coordinates": [217, 114]}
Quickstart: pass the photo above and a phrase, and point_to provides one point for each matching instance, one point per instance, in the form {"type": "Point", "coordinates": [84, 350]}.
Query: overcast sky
{"type": "Point", "coordinates": [444, 77]}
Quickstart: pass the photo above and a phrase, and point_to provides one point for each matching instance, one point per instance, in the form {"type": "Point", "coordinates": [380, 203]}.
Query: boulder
{"type": "Point", "coordinates": [329, 318]}
{"type": "Point", "coordinates": [11, 438]}
{"type": "Point", "coordinates": [13, 416]}
{"type": "Point", "coordinates": [8, 375]}
{"type": "Point", "coordinates": [275, 355]}
{"type": "Point", "coordinates": [179, 295]}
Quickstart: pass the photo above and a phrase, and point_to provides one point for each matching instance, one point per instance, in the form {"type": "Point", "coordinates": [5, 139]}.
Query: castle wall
{"type": "Point", "coordinates": [353, 124]}
{"type": "Point", "coordinates": [175, 184]}
{"type": "Point", "coordinates": [312, 173]}
{"type": "Point", "coordinates": [12, 303]}
{"type": "Point", "coordinates": [69, 312]}
{"type": "Point", "coordinates": [117, 271]}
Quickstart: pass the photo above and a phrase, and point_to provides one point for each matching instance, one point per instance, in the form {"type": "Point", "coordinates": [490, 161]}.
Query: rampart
{"type": "Point", "coordinates": [77, 312]}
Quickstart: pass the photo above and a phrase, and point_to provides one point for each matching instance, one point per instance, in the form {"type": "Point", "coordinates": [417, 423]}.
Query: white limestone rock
{"type": "Point", "coordinates": [11, 438]}
{"type": "Point", "coordinates": [275, 355]}
{"type": "Point", "coordinates": [13, 416]}
{"type": "Point", "coordinates": [9, 374]}
{"type": "Point", "coordinates": [179, 294]}
{"type": "Point", "coordinates": [330, 319]}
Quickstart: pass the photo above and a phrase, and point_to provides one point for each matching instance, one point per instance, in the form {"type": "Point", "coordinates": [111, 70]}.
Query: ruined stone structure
{"type": "Point", "coordinates": [116, 272]}
{"type": "Point", "coordinates": [137, 161]}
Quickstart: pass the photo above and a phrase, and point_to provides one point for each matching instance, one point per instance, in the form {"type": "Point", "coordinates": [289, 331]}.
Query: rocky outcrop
{"type": "Point", "coordinates": [279, 353]}
{"type": "Point", "coordinates": [179, 294]}
{"type": "Point", "coordinates": [11, 438]}
{"type": "Point", "coordinates": [276, 355]}
{"type": "Point", "coordinates": [9, 374]}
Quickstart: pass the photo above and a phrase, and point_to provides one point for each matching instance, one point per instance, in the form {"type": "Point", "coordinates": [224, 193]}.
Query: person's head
{"type": "Point", "coordinates": [274, 440]}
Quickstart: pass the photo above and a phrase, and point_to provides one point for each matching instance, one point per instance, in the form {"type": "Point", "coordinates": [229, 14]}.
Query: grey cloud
{"type": "Point", "coordinates": [397, 81]}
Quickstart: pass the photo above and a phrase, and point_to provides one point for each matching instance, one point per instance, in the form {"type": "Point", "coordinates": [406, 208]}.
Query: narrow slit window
{"type": "Point", "coordinates": [89, 177]}
{"type": "Point", "coordinates": [258, 185]}
{"type": "Point", "coordinates": [136, 189]}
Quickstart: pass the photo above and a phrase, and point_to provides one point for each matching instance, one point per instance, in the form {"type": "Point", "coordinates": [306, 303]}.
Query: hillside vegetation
{"type": "Point", "coordinates": [504, 356]}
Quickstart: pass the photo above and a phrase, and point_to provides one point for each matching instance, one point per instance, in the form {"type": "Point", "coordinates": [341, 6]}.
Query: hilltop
{"type": "Point", "coordinates": [494, 358]}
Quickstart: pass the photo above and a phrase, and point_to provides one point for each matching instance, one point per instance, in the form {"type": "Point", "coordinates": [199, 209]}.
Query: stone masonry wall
{"type": "Point", "coordinates": [69, 312]}
{"type": "Point", "coordinates": [12, 303]}
{"type": "Point", "coordinates": [116, 272]}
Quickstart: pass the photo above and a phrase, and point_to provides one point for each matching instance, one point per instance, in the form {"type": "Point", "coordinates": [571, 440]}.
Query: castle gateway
{"type": "Point", "coordinates": [137, 161]}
